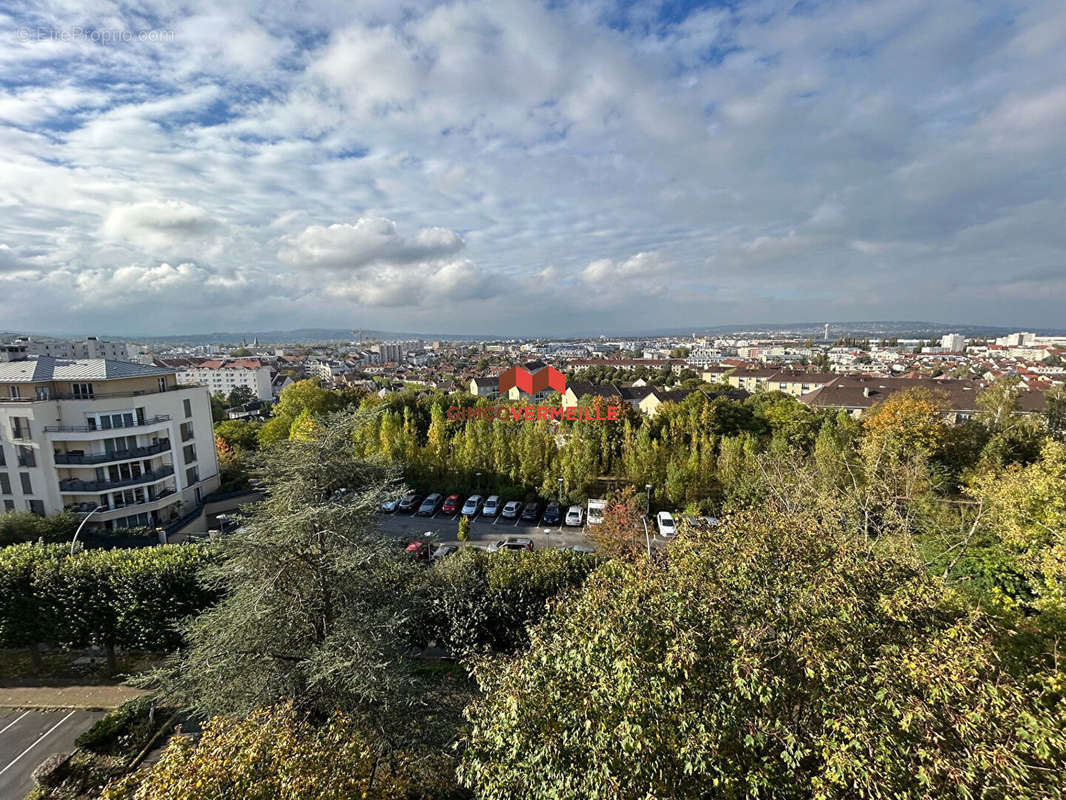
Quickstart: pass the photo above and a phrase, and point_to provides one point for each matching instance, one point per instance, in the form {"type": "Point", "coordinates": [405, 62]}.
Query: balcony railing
{"type": "Point", "coordinates": [75, 459]}
{"type": "Point", "coordinates": [85, 508]}
{"type": "Point", "coordinates": [94, 429]}
{"type": "Point", "coordinates": [38, 398]}
{"type": "Point", "coordinates": [75, 485]}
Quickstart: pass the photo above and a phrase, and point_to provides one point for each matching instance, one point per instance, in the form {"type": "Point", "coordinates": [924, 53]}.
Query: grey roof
{"type": "Point", "coordinates": [37, 369]}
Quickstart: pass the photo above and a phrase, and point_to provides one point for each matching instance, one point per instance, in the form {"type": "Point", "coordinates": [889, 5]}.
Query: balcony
{"type": "Point", "coordinates": [93, 429]}
{"type": "Point", "coordinates": [50, 395]}
{"type": "Point", "coordinates": [73, 459]}
{"type": "Point", "coordinates": [153, 501]}
{"type": "Point", "coordinates": [75, 486]}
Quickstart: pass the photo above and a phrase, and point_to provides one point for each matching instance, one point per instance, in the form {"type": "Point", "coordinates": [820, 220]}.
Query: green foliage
{"type": "Point", "coordinates": [463, 534]}
{"type": "Point", "coordinates": [476, 601]}
{"type": "Point", "coordinates": [241, 434]}
{"type": "Point", "coordinates": [111, 598]}
{"type": "Point", "coordinates": [22, 526]}
{"type": "Point", "coordinates": [313, 607]}
{"type": "Point", "coordinates": [120, 730]}
{"type": "Point", "coordinates": [239, 395]}
{"type": "Point", "coordinates": [279, 754]}
{"type": "Point", "coordinates": [777, 656]}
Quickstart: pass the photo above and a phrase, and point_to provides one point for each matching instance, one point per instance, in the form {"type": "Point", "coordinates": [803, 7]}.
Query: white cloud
{"type": "Point", "coordinates": [369, 240]}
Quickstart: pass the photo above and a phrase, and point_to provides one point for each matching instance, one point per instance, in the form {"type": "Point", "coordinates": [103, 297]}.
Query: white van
{"type": "Point", "coordinates": [595, 512]}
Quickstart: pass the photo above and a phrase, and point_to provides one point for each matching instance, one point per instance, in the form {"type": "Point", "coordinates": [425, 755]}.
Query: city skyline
{"type": "Point", "coordinates": [516, 169]}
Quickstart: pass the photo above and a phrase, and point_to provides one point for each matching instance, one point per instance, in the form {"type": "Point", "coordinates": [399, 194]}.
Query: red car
{"type": "Point", "coordinates": [452, 504]}
{"type": "Point", "coordinates": [419, 550]}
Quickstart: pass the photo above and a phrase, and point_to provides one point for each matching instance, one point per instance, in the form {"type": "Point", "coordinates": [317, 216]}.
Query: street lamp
{"type": "Point", "coordinates": [647, 536]}
{"type": "Point", "coordinates": [560, 491]}
{"type": "Point", "coordinates": [647, 499]}
{"type": "Point", "coordinates": [478, 490]}
{"type": "Point", "coordinates": [86, 519]}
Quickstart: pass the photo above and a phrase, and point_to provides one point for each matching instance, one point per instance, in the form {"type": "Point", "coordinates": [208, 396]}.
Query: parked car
{"type": "Point", "coordinates": [472, 505]}
{"type": "Point", "coordinates": [410, 502]}
{"type": "Point", "coordinates": [419, 550]}
{"type": "Point", "coordinates": [491, 507]}
{"type": "Point", "coordinates": [511, 543]}
{"type": "Point", "coordinates": [552, 514]}
{"type": "Point", "coordinates": [532, 511]}
{"type": "Point", "coordinates": [666, 525]}
{"type": "Point", "coordinates": [390, 505]}
{"type": "Point", "coordinates": [512, 510]}
{"type": "Point", "coordinates": [430, 505]}
{"type": "Point", "coordinates": [574, 516]}
{"type": "Point", "coordinates": [451, 504]}
{"type": "Point", "coordinates": [595, 515]}
{"type": "Point", "coordinates": [586, 549]}
{"type": "Point", "coordinates": [442, 550]}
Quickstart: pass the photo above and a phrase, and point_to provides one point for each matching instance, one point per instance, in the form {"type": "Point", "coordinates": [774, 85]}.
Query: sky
{"type": "Point", "coordinates": [522, 168]}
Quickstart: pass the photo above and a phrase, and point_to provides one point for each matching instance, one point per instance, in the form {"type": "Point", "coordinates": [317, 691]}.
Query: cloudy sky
{"type": "Point", "coordinates": [519, 167]}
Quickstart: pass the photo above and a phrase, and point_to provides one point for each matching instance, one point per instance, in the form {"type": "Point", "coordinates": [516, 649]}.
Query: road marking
{"type": "Point", "coordinates": [517, 521]}
{"type": "Point", "coordinates": [495, 520]}
{"type": "Point", "coordinates": [40, 739]}
{"type": "Point", "coordinates": [24, 713]}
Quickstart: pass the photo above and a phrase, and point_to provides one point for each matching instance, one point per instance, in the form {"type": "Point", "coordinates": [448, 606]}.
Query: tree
{"type": "Point", "coordinates": [240, 434]}
{"type": "Point", "coordinates": [277, 753]}
{"type": "Point", "coordinates": [240, 395]}
{"type": "Point", "coordinates": [909, 421]}
{"type": "Point", "coordinates": [23, 526]}
{"type": "Point", "coordinates": [314, 607]}
{"type": "Point", "coordinates": [620, 535]}
{"type": "Point", "coordinates": [777, 656]}
{"type": "Point", "coordinates": [463, 534]}
{"type": "Point", "coordinates": [1055, 415]}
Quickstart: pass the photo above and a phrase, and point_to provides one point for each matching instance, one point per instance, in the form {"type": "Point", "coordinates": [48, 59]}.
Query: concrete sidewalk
{"type": "Point", "coordinates": [48, 697]}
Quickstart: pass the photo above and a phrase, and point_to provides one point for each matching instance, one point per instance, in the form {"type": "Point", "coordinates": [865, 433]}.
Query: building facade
{"type": "Point", "coordinates": [91, 347]}
{"type": "Point", "coordinates": [84, 434]}
{"type": "Point", "coordinates": [222, 376]}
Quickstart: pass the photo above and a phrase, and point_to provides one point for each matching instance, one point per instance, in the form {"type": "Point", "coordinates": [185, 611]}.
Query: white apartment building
{"type": "Point", "coordinates": [222, 376]}
{"type": "Point", "coordinates": [953, 343]}
{"type": "Point", "coordinates": [85, 434]}
{"type": "Point", "coordinates": [92, 347]}
{"type": "Point", "coordinates": [397, 351]}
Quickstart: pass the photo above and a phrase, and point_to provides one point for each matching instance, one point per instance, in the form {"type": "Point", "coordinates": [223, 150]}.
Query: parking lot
{"type": "Point", "coordinates": [483, 530]}
{"type": "Point", "coordinates": [28, 737]}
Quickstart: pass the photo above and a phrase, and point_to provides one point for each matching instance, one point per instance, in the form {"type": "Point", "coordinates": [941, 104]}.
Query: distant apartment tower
{"type": "Point", "coordinates": [85, 434]}
{"type": "Point", "coordinates": [396, 351]}
{"type": "Point", "coordinates": [222, 376]}
{"type": "Point", "coordinates": [1020, 339]}
{"type": "Point", "coordinates": [826, 337]}
{"type": "Point", "coordinates": [91, 347]}
{"type": "Point", "coordinates": [953, 343]}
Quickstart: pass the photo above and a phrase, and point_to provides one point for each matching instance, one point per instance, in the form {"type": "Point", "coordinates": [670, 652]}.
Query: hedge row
{"type": "Point", "coordinates": [108, 598]}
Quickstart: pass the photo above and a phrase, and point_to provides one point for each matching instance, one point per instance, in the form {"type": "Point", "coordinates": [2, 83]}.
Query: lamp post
{"type": "Point", "coordinates": [647, 536]}
{"type": "Point", "coordinates": [478, 490]}
{"type": "Point", "coordinates": [647, 499]}
{"type": "Point", "coordinates": [86, 519]}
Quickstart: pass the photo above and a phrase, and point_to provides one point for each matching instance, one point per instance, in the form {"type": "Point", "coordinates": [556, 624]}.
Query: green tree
{"type": "Point", "coordinates": [240, 395]}
{"type": "Point", "coordinates": [463, 535]}
{"type": "Point", "coordinates": [314, 607]}
{"type": "Point", "coordinates": [785, 658]}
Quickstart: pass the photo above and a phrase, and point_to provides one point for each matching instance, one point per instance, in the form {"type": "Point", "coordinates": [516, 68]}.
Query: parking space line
{"type": "Point", "coordinates": [24, 713]}
{"type": "Point", "coordinates": [40, 739]}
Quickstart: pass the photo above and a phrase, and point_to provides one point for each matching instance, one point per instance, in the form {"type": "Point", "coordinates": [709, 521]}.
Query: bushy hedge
{"type": "Point", "coordinates": [477, 601]}
{"type": "Point", "coordinates": [110, 598]}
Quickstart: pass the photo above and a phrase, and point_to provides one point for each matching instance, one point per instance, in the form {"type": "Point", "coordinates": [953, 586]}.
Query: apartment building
{"type": "Point", "coordinates": [222, 376]}
{"type": "Point", "coordinates": [91, 347]}
{"type": "Point", "coordinates": [85, 434]}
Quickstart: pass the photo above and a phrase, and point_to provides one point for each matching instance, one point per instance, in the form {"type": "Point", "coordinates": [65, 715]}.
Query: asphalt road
{"type": "Point", "coordinates": [28, 737]}
{"type": "Point", "coordinates": [483, 530]}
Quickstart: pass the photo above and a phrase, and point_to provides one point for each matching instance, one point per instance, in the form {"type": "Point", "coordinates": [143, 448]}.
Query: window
{"type": "Point", "coordinates": [190, 453]}
{"type": "Point", "coordinates": [188, 407]}
{"type": "Point", "coordinates": [27, 485]}
{"type": "Point", "coordinates": [9, 505]}
{"type": "Point", "coordinates": [3, 462]}
{"type": "Point", "coordinates": [186, 431]}
{"type": "Point", "coordinates": [192, 475]}
{"type": "Point", "coordinates": [20, 428]}
{"type": "Point", "coordinates": [162, 383]}
{"type": "Point", "coordinates": [26, 456]}
{"type": "Point", "coordinates": [14, 392]}
{"type": "Point", "coordinates": [5, 483]}
{"type": "Point", "coordinates": [82, 391]}
{"type": "Point", "coordinates": [37, 507]}
{"type": "Point", "coordinates": [43, 393]}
